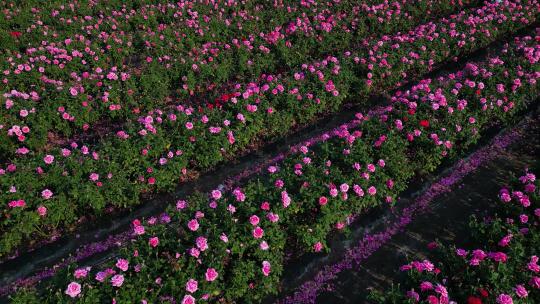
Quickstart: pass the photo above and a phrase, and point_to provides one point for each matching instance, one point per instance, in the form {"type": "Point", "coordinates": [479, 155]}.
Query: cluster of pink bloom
{"type": "Point", "coordinates": [521, 273]}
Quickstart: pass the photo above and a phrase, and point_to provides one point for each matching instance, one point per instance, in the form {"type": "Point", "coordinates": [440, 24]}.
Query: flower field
{"type": "Point", "coordinates": [107, 103]}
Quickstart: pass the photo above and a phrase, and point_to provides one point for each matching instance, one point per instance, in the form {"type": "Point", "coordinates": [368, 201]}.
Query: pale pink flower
{"type": "Point", "coordinates": [81, 272]}
{"type": "Point", "coordinates": [94, 177]}
{"type": "Point", "coordinates": [117, 280]}
{"type": "Point", "coordinates": [73, 289]}
{"type": "Point", "coordinates": [122, 264]}
{"type": "Point", "coordinates": [504, 299]}
{"type": "Point", "coordinates": [46, 194]}
{"type": "Point", "coordinates": [48, 159]}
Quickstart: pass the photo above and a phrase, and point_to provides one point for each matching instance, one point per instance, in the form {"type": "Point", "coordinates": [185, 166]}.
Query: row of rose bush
{"type": "Point", "coordinates": [231, 246]}
{"type": "Point", "coordinates": [53, 189]}
{"type": "Point", "coordinates": [500, 266]}
{"type": "Point", "coordinates": [73, 82]}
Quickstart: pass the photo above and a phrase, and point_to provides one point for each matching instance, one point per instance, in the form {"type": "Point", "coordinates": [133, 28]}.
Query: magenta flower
{"type": "Point", "coordinates": [94, 177]}
{"type": "Point", "coordinates": [193, 225]}
{"type": "Point", "coordinates": [192, 285]}
{"type": "Point", "coordinates": [138, 229]}
{"type": "Point", "coordinates": [317, 247]}
{"type": "Point", "coordinates": [426, 286]}
{"type": "Point", "coordinates": [285, 199]}
{"type": "Point", "coordinates": [521, 292]}
{"type": "Point", "coordinates": [188, 300]}
{"type": "Point", "coordinates": [42, 210]}
{"type": "Point", "coordinates": [504, 299]}
{"type": "Point", "coordinates": [413, 295]}
{"type": "Point", "coordinates": [258, 232]}
{"type": "Point", "coordinates": [211, 274]}
{"type": "Point", "coordinates": [216, 194]}
{"type": "Point", "coordinates": [122, 264]}
{"type": "Point", "coordinates": [81, 272]}
{"type": "Point", "coordinates": [202, 243]}
{"type": "Point", "coordinates": [153, 241]}
{"type": "Point", "coordinates": [17, 203]}
{"type": "Point", "coordinates": [254, 220]}
{"type": "Point", "coordinates": [535, 282]}
{"type": "Point", "coordinates": [266, 268]}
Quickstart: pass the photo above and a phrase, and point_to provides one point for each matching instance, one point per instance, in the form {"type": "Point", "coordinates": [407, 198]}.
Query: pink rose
{"type": "Point", "coordinates": [122, 264]}
{"type": "Point", "coordinates": [117, 280]}
{"type": "Point", "coordinates": [188, 300]}
{"type": "Point", "coordinates": [48, 159]}
{"type": "Point", "coordinates": [81, 272]}
{"type": "Point", "coordinates": [254, 220]}
{"type": "Point", "coordinates": [193, 225]}
{"type": "Point", "coordinates": [202, 243]}
{"type": "Point", "coordinates": [521, 292]}
{"type": "Point", "coordinates": [73, 289]}
{"type": "Point", "coordinates": [504, 299]}
{"type": "Point", "coordinates": [216, 194]}
{"type": "Point", "coordinates": [42, 210]}
{"type": "Point", "coordinates": [317, 247]}
{"type": "Point", "coordinates": [192, 285]}
{"type": "Point", "coordinates": [153, 241]}
{"type": "Point", "coordinates": [258, 232]}
{"type": "Point", "coordinates": [46, 194]}
{"type": "Point", "coordinates": [266, 268]}
{"type": "Point", "coordinates": [211, 274]}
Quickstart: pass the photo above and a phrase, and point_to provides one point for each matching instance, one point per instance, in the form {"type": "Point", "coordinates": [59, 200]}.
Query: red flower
{"type": "Point", "coordinates": [15, 34]}
{"type": "Point", "coordinates": [411, 111]}
{"type": "Point", "coordinates": [424, 123]}
{"type": "Point", "coordinates": [484, 293]}
{"type": "Point", "coordinates": [226, 97]}
{"type": "Point", "coordinates": [474, 300]}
